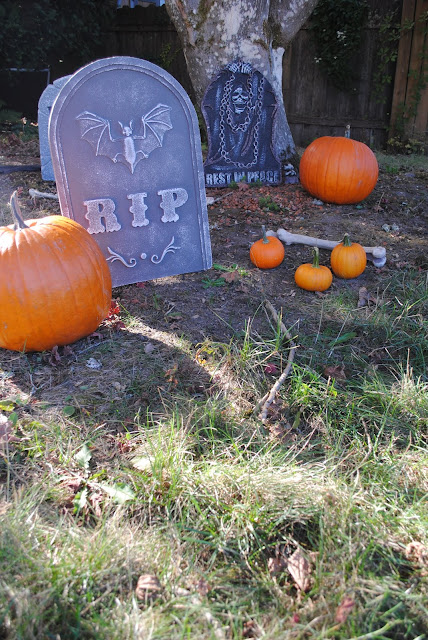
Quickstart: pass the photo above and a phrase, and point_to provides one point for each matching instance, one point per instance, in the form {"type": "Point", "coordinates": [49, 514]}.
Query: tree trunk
{"type": "Point", "coordinates": [216, 32]}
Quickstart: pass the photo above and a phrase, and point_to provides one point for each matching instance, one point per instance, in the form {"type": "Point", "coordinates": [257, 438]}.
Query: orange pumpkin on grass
{"type": "Point", "coordinates": [55, 283]}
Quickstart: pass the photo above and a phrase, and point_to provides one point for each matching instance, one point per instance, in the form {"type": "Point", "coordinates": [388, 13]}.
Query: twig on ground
{"type": "Point", "coordinates": [267, 399]}
{"type": "Point", "coordinates": [211, 200]}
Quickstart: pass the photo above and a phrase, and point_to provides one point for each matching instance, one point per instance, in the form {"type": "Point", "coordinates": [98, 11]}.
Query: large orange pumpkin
{"type": "Point", "coordinates": [55, 283]}
{"type": "Point", "coordinates": [338, 170]}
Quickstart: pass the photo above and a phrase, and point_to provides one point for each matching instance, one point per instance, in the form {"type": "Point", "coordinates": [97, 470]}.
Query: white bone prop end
{"type": "Point", "coordinates": [376, 254]}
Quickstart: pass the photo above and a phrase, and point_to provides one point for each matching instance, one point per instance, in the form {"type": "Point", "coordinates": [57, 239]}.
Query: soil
{"type": "Point", "coordinates": [217, 303]}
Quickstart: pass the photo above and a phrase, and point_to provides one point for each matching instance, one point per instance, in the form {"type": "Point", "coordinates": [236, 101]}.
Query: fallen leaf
{"type": "Point", "coordinates": [277, 564]}
{"type": "Point", "coordinates": [271, 368]}
{"type": "Point", "coordinates": [300, 570]}
{"type": "Point", "coordinates": [243, 186]}
{"type": "Point", "coordinates": [92, 363]}
{"type": "Point", "coordinates": [175, 315]}
{"type": "Point", "coordinates": [95, 500]}
{"type": "Point", "coordinates": [148, 587]}
{"type": "Point", "coordinates": [251, 630]}
{"type": "Point", "coordinates": [230, 276]}
{"type": "Point", "coordinates": [281, 432]}
{"type": "Point", "coordinates": [344, 609]}
{"type": "Point", "coordinates": [170, 374]}
{"type": "Point", "coordinates": [143, 463]}
{"type": "Point", "coordinates": [180, 592]}
{"type": "Point", "coordinates": [418, 553]}
{"type": "Point", "coordinates": [365, 298]}
{"type": "Point", "coordinates": [114, 310]}
{"type": "Point", "coordinates": [73, 483]}
{"type": "Point", "coordinates": [96, 334]}
{"type": "Point", "coordinates": [202, 587]}
{"type": "Point", "coordinates": [149, 348]}
{"type": "Point", "coordinates": [54, 356]}
{"type": "Point", "coordinates": [275, 412]}
{"type": "Point", "coordinates": [335, 371]}
{"type": "Point", "coordinates": [6, 434]}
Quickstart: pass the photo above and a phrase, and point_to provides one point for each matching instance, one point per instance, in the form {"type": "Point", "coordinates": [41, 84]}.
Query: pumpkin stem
{"type": "Point", "coordinates": [16, 212]}
{"type": "Point", "coordinates": [346, 240]}
{"type": "Point", "coordinates": [265, 238]}
{"type": "Point", "coordinates": [316, 260]}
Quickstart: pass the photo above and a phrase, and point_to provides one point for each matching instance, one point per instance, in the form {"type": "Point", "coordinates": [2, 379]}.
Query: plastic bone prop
{"type": "Point", "coordinates": [376, 254]}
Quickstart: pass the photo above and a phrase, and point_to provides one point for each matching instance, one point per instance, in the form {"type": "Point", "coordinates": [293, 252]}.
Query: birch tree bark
{"type": "Point", "coordinates": [216, 32]}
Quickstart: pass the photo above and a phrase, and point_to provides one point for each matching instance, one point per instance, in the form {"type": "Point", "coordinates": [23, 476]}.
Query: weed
{"type": "Point", "coordinates": [269, 204]}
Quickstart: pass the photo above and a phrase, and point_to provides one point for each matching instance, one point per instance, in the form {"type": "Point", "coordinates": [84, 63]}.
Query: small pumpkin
{"type": "Point", "coordinates": [55, 283]}
{"type": "Point", "coordinates": [338, 170]}
{"type": "Point", "coordinates": [313, 277]}
{"type": "Point", "coordinates": [268, 252]}
{"type": "Point", "coordinates": [348, 259]}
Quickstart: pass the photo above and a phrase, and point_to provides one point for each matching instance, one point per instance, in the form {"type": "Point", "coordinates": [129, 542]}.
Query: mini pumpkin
{"type": "Point", "coordinates": [268, 252]}
{"type": "Point", "coordinates": [338, 170]}
{"type": "Point", "coordinates": [55, 283]}
{"type": "Point", "coordinates": [313, 277]}
{"type": "Point", "coordinates": [348, 259]}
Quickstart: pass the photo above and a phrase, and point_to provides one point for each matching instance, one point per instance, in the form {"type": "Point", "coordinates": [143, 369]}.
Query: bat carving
{"type": "Point", "coordinates": [135, 142]}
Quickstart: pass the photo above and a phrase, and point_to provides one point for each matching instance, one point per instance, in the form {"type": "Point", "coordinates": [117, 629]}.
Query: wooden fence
{"type": "Point", "coordinates": [148, 33]}
{"type": "Point", "coordinates": [409, 109]}
{"type": "Point", "coordinates": [313, 104]}
{"type": "Point", "coordinates": [315, 107]}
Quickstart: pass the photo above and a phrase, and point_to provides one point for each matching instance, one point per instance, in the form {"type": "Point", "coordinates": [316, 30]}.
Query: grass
{"type": "Point", "coordinates": [132, 475]}
{"type": "Point", "coordinates": [394, 163]}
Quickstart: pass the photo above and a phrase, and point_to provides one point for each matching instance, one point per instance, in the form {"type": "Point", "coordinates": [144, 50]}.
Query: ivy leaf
{"type": "Point", "coordinates": [83, 457]}
{"type": "Point", "coordinates": [81, 500]}
{"type": "Point", "coordinates": [7, 405]}
{"type": "Point", "coordinates": [119, 493]}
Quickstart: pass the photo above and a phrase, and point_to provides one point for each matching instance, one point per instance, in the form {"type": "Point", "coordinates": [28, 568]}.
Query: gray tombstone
{"type": "Point", "coordinates": [46, 101]}
{"type": "Point", "coordinates": [239, 108]}
{"type": "Point", "coordinates": [127, 159]}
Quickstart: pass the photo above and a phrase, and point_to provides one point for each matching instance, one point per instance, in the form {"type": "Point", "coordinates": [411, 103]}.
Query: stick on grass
{"type": "Point", "coordinates": [267, 399]}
